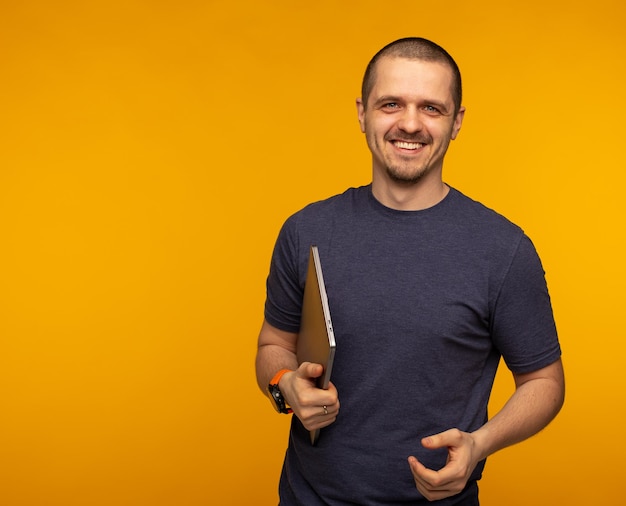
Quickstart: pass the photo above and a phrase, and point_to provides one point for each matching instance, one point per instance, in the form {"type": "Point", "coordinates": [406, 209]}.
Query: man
{"type": "Point", "coordinates": [427, 290]}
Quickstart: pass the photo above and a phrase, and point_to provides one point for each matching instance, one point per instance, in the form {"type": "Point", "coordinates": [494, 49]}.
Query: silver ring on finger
{"type": "Point", "coordinates": [325, 410]}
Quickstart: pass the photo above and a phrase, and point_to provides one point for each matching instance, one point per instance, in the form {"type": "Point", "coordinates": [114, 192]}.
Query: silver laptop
{"type": "Point", "coordinates": [316, 340]}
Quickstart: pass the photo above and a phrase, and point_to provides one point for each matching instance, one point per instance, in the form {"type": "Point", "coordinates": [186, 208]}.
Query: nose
{"type": "Point", "coordinates": [410, 121]}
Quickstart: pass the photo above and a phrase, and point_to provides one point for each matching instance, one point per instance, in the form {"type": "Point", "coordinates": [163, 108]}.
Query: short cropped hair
{"type": "Point", "coordinates": [413, 48]}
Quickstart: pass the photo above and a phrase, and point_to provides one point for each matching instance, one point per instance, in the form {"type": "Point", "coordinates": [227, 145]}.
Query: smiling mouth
{"type": "Point", "coordinates": [407, 145]}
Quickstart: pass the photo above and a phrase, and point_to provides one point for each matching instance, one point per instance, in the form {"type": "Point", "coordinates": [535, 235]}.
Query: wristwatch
{"type": "Point", "coordinates": [276, 396]}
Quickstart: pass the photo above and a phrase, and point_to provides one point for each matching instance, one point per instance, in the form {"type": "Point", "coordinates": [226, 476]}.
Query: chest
{"type": "Point", "coordinates": [408, 288]}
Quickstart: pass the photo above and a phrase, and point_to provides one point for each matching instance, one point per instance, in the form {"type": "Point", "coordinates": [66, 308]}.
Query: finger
{"type": "Point", "coordinates": [317, 417]}
{"type": "Point", "coordinates": [421, 472]}
{"type": "Point", "coordinates": [428, 482]}
{"type": "Point", "coordinates": [327, 410]}
{"type": "Point", "coordinates": [431, 479]}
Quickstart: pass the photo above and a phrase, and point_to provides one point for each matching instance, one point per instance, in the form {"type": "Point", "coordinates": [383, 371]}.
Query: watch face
{"type": "Point", "coordinates": [276, 398]}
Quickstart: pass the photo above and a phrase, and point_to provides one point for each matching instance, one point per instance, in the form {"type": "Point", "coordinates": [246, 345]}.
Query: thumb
{"type": "Point", "coordinates": [441, 440]}
{"type": "Point", "coordinates": [310, 370]}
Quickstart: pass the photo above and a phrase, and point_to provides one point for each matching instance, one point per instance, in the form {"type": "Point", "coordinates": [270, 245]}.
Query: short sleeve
{"type": "Point", "coordinates": [523, 327]}
{"type": "Point", "coordinates": [283, 304]}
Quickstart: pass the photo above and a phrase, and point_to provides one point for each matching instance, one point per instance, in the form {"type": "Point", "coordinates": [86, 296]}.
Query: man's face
{"type": "Point", "coordinates": [409, 119]}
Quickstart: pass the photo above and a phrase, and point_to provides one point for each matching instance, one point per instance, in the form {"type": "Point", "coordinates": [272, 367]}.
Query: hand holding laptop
{"type": "Point", "coordinates": [307, 400]}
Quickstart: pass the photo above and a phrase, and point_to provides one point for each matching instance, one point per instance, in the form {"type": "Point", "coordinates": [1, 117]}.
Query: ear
{"type": "Point", "coordinates": [458, 121]}
{"type": "Point", "coordinates": [361, 113]}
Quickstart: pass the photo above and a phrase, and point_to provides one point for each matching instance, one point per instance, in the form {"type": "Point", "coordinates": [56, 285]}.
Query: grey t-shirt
{"type": "Point", "coordinates": [424, 304]}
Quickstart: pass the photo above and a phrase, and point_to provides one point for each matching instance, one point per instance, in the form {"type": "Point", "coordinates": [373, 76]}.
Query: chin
{"type": "Point", "coordinates": [404, 177]}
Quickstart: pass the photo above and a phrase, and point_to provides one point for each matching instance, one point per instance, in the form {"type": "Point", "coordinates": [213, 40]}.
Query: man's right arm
{"type": "Point", "coordinates": [277, 350]}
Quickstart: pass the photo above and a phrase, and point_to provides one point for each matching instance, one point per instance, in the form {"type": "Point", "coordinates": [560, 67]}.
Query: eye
{"type": "Point", "coordinates": [431, 109]}
{"type": "Point", "coordinates": [390, 105]}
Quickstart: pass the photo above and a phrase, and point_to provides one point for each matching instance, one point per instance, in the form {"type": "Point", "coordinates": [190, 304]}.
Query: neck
{"type": "Point", "coordinates": [409, 196]}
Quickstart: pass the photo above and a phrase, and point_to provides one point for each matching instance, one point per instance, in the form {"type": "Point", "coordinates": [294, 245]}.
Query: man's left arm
{"type": "Point", "coordinates": [537, 399]}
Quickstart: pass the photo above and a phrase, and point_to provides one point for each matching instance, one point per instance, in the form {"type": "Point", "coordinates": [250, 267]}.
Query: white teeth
{"type": "Point", "coordinates": [407, 145]}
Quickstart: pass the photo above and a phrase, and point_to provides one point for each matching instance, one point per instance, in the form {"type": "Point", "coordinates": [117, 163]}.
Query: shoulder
{"type": "Point", "coordinates": [483, 232]}
{"type": "Point", "coordinates": [329, 208]}
{"type": "Point", "coordinates": [481, 218]}
{"type": "Point", "coordinates": [350, 197]}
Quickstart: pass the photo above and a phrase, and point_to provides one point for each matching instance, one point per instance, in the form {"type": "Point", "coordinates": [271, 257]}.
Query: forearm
{"type": "Point", "coordinates": [276, 350]}
{"type": "Point", "coordinates": [270, 359]}
{"type": "Point", "coordinates": [536, 401]}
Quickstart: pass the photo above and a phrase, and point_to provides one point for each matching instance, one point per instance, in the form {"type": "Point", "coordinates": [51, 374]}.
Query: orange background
{"type": "Point", "coordinates": [150, 151]}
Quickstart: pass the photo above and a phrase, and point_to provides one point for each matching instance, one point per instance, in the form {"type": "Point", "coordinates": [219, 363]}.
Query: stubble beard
{"type": "Point", "coordinates": [406, 170]}
{"type": "Point", "coordinates": [405, 176]}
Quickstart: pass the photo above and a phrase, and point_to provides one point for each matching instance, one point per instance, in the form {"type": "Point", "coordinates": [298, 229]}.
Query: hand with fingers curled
{"type": "Point", "coordinates": [463, 456]}
{"type": "Point", "coordinates": [315, 407]}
